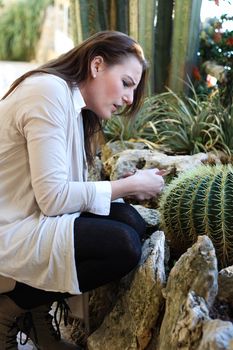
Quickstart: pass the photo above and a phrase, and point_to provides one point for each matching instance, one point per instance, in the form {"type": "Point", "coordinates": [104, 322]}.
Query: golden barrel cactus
{"type": "Point", "coordinates": [200, 202]}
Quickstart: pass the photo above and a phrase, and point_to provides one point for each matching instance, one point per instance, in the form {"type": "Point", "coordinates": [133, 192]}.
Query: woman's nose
{"type": "Point", "coordinates": [128, 98]}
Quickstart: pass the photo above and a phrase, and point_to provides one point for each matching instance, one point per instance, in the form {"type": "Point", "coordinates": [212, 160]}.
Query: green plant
{"type": "Point", "coordinates": [177, 124]}
{"type": "Point", "coordinates": [183, 124]}
{"type": "Point", "coordinates": [225, 122]}
{"type": "Point", "coordinates": [200, 202]}
{"type": "Point", "coordinates": [141, 126]}
{"type": "Point", "coordinates": [20, 26]}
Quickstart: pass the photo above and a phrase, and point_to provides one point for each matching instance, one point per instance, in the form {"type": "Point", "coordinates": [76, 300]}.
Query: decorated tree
{"type": "Point", "coordinates": [216, 59]}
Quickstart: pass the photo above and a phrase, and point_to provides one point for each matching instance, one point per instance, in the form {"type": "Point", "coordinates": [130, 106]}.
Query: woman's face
{"type": "Point", "coordinates": [111, 87]}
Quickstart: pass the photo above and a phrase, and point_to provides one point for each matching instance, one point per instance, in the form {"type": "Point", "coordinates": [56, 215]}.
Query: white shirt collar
{"type": "Point", "coordinates": [79, 102]}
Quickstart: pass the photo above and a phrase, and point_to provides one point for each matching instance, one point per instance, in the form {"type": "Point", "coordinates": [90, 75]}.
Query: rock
{"type": "Point", "coordinates": [217, 335]}
{"type": "Point", "coordinates": [129, 160]}
{"type": "Point", "coordinates": [129, 325]}
{"type": "Point", "coordinates": [112, 148]}
{"type": "Point", "coordinates": [190, 290]}
{"type": "Point", "coordinates": [95, 172]}
{"type": "Point", "coordinates": [101, 302]}
{"type": "Point", "coordinates": [151, 216]}
{"type": "Point", "coordinates": [225, 285]}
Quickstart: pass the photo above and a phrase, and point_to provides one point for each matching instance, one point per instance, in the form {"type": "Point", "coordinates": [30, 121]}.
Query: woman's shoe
{"type": "Point", "coordinates": [38, 326]}
{"type": "Point", "coordinates": [9, 312]}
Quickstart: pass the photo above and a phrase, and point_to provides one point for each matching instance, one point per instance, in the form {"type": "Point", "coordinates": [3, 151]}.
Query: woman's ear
{"type": "Point", "coordinates": [97, 64]}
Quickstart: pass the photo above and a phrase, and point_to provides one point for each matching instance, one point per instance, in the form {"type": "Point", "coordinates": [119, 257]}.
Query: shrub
{"type": "Point", "coordinates": [20, 27]}
{"type": "Point", "coordinates": [141, 127]}
{"type": "Point", "coordinates": [184, 124]}
{"type": "Point", "coordinates": [176, 124]}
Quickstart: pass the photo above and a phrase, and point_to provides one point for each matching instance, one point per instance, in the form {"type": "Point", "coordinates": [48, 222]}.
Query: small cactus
{"type": "Point", "coordinates": [200, 202]}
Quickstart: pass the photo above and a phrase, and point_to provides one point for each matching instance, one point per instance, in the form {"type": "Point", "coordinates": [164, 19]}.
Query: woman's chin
{"type": "Point", "coordinates": [106, 116]}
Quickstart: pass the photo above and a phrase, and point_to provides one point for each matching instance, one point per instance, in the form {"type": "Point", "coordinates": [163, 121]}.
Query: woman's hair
{"type": "Point", "coordinates": [75, 67]}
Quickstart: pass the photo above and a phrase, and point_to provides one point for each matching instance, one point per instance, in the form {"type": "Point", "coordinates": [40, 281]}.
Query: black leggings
{"type": "Point", "coordinates": [106, 249]}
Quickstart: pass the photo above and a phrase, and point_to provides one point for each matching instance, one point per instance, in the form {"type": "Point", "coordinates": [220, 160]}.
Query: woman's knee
{"type": "Point", "coordinates": [131, 248]}
{"type": "Point", "coordinates": [128, 214]}
{"type": "Point", "coordinates": [134, 257]}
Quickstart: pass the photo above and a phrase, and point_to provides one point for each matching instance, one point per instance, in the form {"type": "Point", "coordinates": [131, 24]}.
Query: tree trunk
{"type": "Point", "coordinates": [184, 42]}
{"type": "Point", "coordinates": [163, 36]}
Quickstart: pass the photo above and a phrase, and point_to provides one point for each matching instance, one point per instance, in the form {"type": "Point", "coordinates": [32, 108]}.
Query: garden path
{"type": "Point", "coordinates": [10, 70]}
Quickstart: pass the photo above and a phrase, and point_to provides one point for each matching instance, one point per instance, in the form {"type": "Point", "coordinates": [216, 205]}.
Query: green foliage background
{"type": "Point", "coordinates": [20, 27]}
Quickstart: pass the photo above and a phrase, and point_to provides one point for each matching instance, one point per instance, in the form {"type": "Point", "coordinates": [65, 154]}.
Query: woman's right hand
{"type": "Point", "coordinates": [148, 184]}
{"type": "Point", "coordinates": [143, 184]}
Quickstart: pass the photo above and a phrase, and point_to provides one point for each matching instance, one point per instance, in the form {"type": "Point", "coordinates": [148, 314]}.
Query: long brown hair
{"type": "Point", "coordinates": [74, 68]}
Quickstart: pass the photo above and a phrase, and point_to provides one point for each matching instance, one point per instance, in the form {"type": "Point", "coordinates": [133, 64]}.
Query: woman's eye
{"type": "Point", "coordinates": [125, 83]}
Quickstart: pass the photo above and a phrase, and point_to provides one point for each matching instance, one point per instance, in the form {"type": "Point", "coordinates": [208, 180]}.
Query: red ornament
{"type": "Point", "coordinates": [196, 73]}
{"type": "Point", "coordinates": [217, 37]}
{"type": "Point", "coordinates": [229, 41]}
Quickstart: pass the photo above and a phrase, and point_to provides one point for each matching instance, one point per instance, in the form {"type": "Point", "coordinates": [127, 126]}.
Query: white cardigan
{"type": "Point", "coordinates": [43, 184]}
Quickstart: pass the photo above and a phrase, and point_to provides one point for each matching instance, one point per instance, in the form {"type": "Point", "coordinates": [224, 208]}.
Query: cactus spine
{"type": "Point", "coordinates": [200, 202]}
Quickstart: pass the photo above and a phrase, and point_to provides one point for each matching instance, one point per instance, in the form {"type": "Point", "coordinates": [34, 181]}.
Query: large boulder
{"type": "Point", "coordinates": [130, 323]}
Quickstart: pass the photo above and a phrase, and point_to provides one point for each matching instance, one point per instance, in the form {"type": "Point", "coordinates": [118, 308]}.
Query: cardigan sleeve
{"type": "Point", "coordinates": [44, 126]}
{"type": "Point", "coordinates": [103, 191]}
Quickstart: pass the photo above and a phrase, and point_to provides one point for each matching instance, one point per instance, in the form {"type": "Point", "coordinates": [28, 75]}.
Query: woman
{"type": "Point", "coordinates": [60, 234]}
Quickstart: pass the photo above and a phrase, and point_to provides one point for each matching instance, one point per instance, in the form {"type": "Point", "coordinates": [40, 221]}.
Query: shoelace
{"type": "Point", "coordinates": [62, 309]}
{"type": "Point", "coordinates": [28, 324]}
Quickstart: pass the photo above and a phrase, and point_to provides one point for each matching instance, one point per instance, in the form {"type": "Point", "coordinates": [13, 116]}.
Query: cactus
{"type": "Point", "coordinates": [200, 202]}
